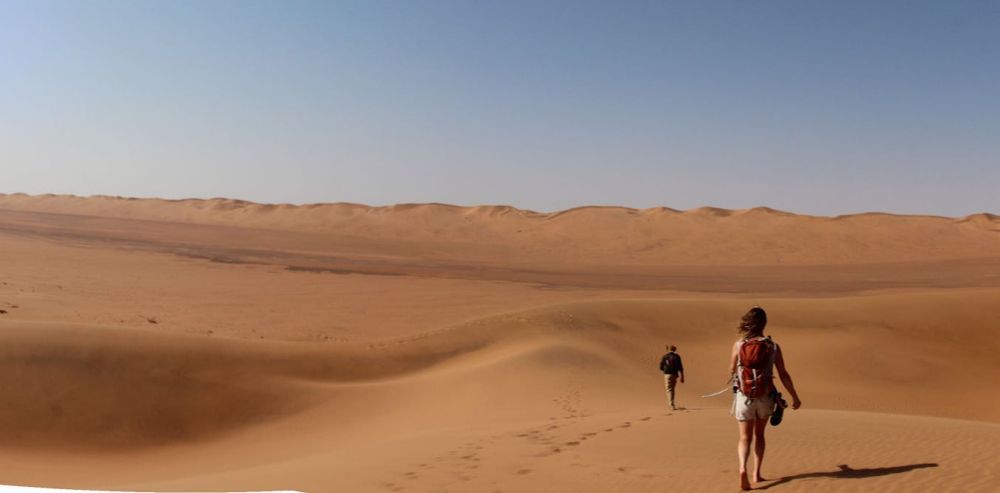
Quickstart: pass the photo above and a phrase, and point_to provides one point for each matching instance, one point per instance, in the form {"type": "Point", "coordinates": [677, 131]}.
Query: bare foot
{"type": "Point", "coordinates": [744, 482]}
{"type": "Point", "coordinates": [759, 479]}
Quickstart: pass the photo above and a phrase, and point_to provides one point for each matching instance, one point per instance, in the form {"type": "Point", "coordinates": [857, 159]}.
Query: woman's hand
{"type": "Point", "coordinates": [796, 403]}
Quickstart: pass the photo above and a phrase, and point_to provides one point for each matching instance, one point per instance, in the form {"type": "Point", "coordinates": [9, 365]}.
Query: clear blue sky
{"type": "Point", "coordinates": [810, 106]}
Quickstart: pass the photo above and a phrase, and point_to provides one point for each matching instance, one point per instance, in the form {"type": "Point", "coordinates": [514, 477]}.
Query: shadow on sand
{"type": "Point", "coordinates": [846, 472]}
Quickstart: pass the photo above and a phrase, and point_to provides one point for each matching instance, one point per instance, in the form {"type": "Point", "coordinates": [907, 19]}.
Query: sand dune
{"type": "Point", "coordinates": [588, 235]}
{"type": "Point", "coordinates": [186, 388]}
{"type": "Point", "coordinates": [214, 345]}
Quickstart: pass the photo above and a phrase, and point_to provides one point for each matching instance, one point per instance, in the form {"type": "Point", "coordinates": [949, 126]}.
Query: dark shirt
{"type": "Point", "coordinates": [663, 364]}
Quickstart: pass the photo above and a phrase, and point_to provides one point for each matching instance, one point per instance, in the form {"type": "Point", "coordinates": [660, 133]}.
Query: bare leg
{"type": "Point", "coordinates": [743, 451]}
{"type": "Point", "coordinates": [758, 450]}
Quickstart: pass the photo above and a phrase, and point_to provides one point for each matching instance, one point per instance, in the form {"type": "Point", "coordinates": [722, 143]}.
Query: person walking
{"type": "Point", "coordinates": [751, 367]}
{"type": "Point", "coordinates": [672, 368]}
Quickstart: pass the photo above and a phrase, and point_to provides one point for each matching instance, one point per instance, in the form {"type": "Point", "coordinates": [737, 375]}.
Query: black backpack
{"type": "Point", "coordinates": [669, 363]}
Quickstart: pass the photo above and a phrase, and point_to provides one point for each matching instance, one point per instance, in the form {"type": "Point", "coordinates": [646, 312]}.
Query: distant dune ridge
{"type": "Point", "coordinates": [154, 345]}
{"type": "Point", "coordinates": [603, 235]}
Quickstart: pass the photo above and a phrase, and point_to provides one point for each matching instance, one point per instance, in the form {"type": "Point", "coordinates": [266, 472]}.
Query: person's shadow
{"type": "Point", "coordinates": [846, 472]}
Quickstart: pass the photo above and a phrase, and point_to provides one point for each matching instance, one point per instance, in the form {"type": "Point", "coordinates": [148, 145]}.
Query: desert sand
{"type": "Point", "coordinates": [222, 345]}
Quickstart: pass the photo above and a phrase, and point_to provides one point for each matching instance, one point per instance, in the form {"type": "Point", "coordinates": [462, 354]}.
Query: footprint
{"type": "Point", "coordinates": [571, 444]}
{"type": "Point", "coordinates": [647, 418]}
{"type": "Point", "coordinates": [524, 471]}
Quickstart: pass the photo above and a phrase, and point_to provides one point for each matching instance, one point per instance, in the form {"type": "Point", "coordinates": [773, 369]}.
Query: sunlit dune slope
{"type": "Point", "coordinates": [559, 370]}
{"type": "Point", "coordinates": [216, 344]}
{"type": "Point", "coordinates": [601, 235]}
{"type": "Point", "coordinates": [65, 383]}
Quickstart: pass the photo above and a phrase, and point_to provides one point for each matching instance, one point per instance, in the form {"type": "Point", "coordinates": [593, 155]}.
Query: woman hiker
{"type": "Point", "coordinates": [751, 366]}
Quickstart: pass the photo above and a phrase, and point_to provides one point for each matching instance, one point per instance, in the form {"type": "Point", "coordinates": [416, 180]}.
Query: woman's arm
{"type": "Point", "coordinates": [786, 379]}
{"type": "Point", "coordinates": [734, 360]}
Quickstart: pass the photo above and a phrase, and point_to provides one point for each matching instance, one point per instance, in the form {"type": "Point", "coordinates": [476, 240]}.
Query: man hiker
{"type": "Point", "coordinates": [672, 367]}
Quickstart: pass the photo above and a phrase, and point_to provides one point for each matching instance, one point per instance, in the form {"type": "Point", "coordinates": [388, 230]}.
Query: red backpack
{"type": "Point", "coordinates": [756, 363]}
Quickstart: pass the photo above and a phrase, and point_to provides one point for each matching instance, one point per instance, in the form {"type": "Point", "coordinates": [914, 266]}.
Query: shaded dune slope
{"type": "Point", "coordinates": [110, 389]}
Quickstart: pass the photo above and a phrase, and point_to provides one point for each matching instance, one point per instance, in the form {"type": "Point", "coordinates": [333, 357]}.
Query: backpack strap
{"type": "Point", "coordinates": [738, 376]}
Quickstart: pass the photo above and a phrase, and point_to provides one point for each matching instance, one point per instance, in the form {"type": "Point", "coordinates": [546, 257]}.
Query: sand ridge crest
{"type": "Point", "coordinates": [63, 380]}
{"type": "Point", "coordinates": [59, 201]}
{"type": "Point", "coordinates": [592, 235]}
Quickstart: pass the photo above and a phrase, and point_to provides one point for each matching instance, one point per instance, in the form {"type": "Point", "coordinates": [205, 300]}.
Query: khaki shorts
{"type": "Point", "coordinates": [759, 408]}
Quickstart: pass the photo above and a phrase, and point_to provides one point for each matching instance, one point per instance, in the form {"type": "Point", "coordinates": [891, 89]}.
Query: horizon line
{"type": "Point", "coordinates": [550, 214]}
